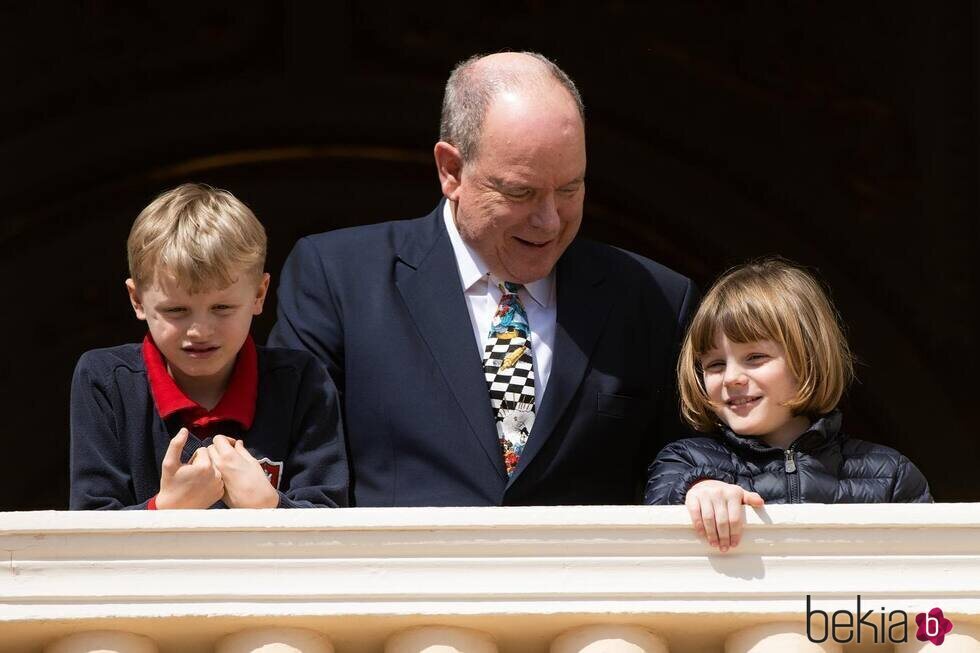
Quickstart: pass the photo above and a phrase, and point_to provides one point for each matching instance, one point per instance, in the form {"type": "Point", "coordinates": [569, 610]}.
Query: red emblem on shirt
{"type": "Point", "coordinates": [273, 471]}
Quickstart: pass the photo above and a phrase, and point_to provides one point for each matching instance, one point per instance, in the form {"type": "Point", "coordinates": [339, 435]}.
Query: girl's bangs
{"type": "Point", "coordinates": [741, 316]}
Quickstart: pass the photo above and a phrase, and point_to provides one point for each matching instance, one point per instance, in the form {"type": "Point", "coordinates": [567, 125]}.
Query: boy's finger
{"type": "Point", "coordinates": [240, 448]}
{"type": "Point", "coordinates": [753, 499]}
{"type": "Point", "coordinates": [203, 458]}
{"type": "Point", "coordinates": [224, 438]}
{"type": "Point", "coordinates": [171, 459]}
{"type": "Point", "coordinates": [214, 462]}
{"type": "Point", "coordinates": [221, 445]}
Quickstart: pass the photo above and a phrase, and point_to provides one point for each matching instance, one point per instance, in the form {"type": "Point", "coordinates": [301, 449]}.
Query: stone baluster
{"type": "Point", "coordinates": [274, 640]}
{"type": "Point", "coordinates": [608, 638]}
{"type": "Point", "coordinates": [440, 639]}
{"type": "Point", "coordinates": [103, 641]}
{"type": "Point", "coordinates": [788, 637]}
{"type": "Point", "coordinates": [964, 638]}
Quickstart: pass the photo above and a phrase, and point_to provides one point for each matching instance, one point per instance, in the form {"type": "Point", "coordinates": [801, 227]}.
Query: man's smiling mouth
{"type": "Point", "coordinates": [530, 243]}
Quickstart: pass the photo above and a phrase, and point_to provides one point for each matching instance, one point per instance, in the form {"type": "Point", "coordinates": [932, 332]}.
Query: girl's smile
{"type": "Point", "coordinates": [748, 384]}
{"type": "Point", "coordinates": [744, 404]}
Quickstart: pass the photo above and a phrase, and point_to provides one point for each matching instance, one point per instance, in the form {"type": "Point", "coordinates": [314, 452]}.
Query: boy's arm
{"type": "Point", "coordinates": [316, 470]}
{"type": "Point", "coordinates": [99, 475]}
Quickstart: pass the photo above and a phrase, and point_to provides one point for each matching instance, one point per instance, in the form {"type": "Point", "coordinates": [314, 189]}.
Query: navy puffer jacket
{"type": "Point", "coordinates": [821, 466]}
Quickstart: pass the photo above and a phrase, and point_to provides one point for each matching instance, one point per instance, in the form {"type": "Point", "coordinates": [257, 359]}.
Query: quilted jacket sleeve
{"type": "Point", "coordinates": [910, 485]}
{"type": "Point", "coordinates": [680, 465]}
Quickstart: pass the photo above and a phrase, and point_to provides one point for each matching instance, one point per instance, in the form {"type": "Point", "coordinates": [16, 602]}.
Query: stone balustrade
{"type": "Point", "coordinates": [623, 579]}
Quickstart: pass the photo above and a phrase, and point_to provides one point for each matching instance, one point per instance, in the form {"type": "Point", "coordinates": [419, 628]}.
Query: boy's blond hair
{"type": "Point", "coordinates": [205, 237]}
{"type": "Point", "coordinates": [771, 299]}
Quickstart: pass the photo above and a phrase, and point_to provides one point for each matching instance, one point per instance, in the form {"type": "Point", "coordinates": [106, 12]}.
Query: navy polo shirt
{"type": "Point", "coordinates": [233, 413]}
{"type": "Point", "coordinates": [237, 404]}
{"type": "Point", "coordinates": [119, 433]}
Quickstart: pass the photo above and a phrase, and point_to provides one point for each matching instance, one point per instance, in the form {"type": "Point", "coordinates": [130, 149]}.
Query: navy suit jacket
{"type": "Point", "coordinates": [383, 307]}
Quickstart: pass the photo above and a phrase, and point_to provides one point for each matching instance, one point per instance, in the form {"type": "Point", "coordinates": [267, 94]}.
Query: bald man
{"type": "Point", "coordinates": [484, 355]}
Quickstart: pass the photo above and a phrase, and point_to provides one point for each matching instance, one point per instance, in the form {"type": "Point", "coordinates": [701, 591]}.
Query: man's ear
{"type": "Point", "coordinates": [134, 299]}
{"type": "Point", "coordinates": [260, 294]}
{"type": "Point", "coordinates": [449, 164]}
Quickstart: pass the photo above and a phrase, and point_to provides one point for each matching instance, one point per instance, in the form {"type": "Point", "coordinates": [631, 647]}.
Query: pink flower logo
{"type": "Point", "coordinates": [933, 626]}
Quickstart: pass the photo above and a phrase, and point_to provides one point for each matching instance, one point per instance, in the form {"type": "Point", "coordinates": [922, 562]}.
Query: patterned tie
{"type": "Point", "coordinates": [510, 374]}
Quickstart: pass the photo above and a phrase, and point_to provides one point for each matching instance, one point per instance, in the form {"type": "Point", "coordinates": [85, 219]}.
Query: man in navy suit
{"type": "Point", "coordinates": [484, 355]}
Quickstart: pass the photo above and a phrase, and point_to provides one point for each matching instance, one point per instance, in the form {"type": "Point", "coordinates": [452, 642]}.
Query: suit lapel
{"type": "Point", "coordinates": [582, 312]}
{"type": "Point", "coordinates": [429, 283]}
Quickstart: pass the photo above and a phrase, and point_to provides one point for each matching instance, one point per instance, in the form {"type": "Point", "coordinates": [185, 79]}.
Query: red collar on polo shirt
{"type": "Point", "coordinates": [237, 404]}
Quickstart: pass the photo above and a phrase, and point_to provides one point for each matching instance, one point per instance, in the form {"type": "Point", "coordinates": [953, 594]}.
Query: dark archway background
{"type": "Point", "coordinates": [842, 135]}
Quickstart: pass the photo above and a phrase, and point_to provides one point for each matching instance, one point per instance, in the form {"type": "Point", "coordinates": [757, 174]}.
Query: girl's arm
{"type": "Point", "coordinates": [692, 472]}
{"type": "Point", "coordinates": [678, 467]}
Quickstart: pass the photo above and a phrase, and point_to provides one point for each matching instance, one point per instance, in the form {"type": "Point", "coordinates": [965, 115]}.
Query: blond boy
{"type": "Point", "coordinates": [197, 415]}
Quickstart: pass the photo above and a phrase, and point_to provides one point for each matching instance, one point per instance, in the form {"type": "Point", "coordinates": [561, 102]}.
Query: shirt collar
{"type": "Point", "coordinates": [471, 267]}
{"type": "Point", "coordinates": [473, 270]}
{"type": "Point", "coordinates": [237, 404]}
{"type": "Point", "coordinates": [543, 290]}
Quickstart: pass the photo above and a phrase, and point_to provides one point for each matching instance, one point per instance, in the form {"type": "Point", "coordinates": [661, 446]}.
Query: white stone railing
{"type": "Point", "coordinates": [482, 580]}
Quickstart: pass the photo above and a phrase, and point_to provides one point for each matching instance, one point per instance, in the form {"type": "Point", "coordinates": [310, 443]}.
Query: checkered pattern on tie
{"type": "Point", "coordinates": [509, 371]}
{"type": "Point", "coordinates": [512, 387]}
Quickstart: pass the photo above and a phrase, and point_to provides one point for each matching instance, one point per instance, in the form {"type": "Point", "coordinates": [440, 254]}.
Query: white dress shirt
{"type": "Point", "coordinates": [482, 297]}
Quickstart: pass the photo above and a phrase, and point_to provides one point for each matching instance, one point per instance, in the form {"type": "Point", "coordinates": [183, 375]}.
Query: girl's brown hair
{"type": "Point", "coordinates": [771, 299]}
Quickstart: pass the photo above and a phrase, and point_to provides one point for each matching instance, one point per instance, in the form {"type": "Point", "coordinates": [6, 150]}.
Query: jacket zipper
{"type": "Point", "coordinates": [792, 478]}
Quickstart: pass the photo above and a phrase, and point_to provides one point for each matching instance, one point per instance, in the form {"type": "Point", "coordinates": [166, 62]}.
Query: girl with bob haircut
{"type": "Point", "coordinates": [762, 369]}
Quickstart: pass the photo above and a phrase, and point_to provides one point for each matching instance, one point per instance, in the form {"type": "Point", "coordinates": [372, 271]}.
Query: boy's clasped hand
{"type": "Point", "coordinates": [223, 471]}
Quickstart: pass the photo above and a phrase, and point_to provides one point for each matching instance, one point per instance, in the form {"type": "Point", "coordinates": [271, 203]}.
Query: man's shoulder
{"type": "Point", "coordinates": [365, 239]}
{"type": "Point", "coordinates": [627, 268]}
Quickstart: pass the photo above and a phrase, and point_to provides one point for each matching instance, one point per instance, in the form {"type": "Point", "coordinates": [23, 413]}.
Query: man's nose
{"type": "Point", "coordinates": [545, 216]}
